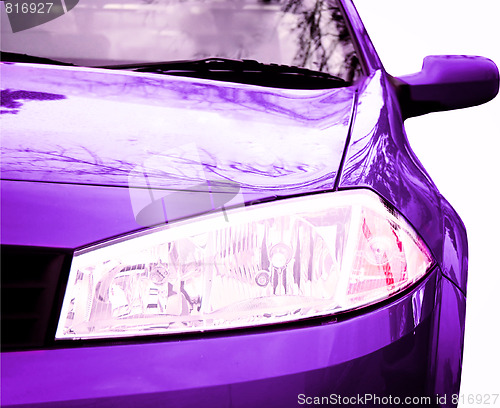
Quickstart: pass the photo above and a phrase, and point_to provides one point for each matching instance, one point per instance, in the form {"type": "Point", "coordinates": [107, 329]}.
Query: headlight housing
{"type": "Point", "coordinates": [276, 262]}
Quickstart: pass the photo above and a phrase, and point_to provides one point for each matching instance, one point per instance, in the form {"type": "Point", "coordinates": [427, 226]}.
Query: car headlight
{"type": "Point", "coordinates": [276, 262]}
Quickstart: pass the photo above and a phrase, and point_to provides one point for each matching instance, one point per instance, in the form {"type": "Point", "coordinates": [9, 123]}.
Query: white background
{"type": "Point", "coordinates": [459, 149]}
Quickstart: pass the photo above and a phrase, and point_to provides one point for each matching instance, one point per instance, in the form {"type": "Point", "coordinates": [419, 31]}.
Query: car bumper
{"type": "Point", "coordinates": [384, 352]}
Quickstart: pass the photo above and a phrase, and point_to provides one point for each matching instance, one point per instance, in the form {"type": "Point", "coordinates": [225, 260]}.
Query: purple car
{"type": "Point", "coordinates": [214, 204]}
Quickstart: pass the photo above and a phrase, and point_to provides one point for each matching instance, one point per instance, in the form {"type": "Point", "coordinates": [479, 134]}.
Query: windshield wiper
{"type": "Point", "coordinates": [242, 71]}
{"type": "Point", "coordinates": [16, 57]}
{"type": "Point", "coordinates": [221, 69]}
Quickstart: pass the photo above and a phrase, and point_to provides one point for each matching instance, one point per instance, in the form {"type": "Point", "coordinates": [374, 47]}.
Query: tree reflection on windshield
{"type": "Point", "coordinates": [320, 31]}
{"type": "Point", "coordinates": [307, 33]}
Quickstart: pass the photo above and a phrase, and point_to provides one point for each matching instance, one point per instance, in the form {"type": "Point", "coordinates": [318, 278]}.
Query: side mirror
{"type": "Point", "coordinates": [447, 82]}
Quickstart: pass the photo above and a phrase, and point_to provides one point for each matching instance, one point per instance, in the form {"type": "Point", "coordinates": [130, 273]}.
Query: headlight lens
{"type": "Point", "coordinates": [276, 262]}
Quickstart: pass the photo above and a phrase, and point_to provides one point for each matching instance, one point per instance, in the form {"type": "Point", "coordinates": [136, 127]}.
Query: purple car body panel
{"type": "Point", "coordinates": [73, 195]}
{"type": "Point", "coordinates": [222, 130]}
{"type": "Point", "coordinates": [379, 157]}
{"type": "Point", "coordinates": [228, 123]}
{"type": "Point", "coordinates": [306, 357]}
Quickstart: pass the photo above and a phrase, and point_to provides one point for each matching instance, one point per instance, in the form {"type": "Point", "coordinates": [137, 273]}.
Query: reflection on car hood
{"type": "Point", "coordinates": [100, 127]}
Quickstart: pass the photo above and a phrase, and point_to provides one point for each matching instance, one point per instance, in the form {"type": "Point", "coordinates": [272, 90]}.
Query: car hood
{"type": "Point", "coordinates": [116, 151]}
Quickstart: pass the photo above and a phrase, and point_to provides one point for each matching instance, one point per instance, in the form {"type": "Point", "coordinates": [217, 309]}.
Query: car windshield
{"type": "Point", "coordinates": [305, 33]}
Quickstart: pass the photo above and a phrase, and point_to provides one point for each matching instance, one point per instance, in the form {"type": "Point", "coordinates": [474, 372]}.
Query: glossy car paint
{"type": "Point", "coordinates": [410, 346]}
{"type": "Point", "coordinates": [241, 369]}
{"type": "Point", "coordinates": [395, 173]}
{"type": "Point", "coordinates": [197, 130]}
